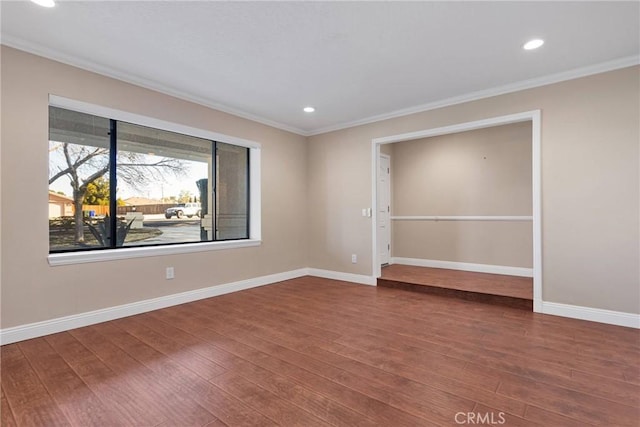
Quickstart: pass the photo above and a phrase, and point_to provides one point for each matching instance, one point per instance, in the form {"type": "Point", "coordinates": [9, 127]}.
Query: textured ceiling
{"type": "Point", "coordinates": [353, 61]}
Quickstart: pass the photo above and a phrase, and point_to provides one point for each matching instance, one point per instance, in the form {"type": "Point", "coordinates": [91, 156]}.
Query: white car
{"type": "Point", "coordinates": [188, 209]}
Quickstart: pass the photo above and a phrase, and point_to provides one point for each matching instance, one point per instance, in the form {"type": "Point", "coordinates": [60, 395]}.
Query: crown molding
{"type": "Point", "coordinates": [628, 61]}
{"type": "Point", "coordinates": [85, 64]}
{"type": "Point", "coordinates": [75, 61]}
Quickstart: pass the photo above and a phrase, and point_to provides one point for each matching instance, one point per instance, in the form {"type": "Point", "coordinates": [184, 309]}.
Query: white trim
{"type": "Point", "coordinates": [56, 55]}
{"type": "Point", "coordinates": [375, 165]}
{"type": "Point", "coordinates": [143, 82]}
{"type": "Point", "coordinates": [462, 218]}
{"type": "Point", "coordinates": [38, 329]}
{"type": "Point", "coordinates": [458, 127]}
{"type": "Point", "coordinates": [536, 196]}
{"type": "Point", "coordinates": [68, 258]}
{"type": "Point", "coordinates": [255, 187]}
{"type": "Point", "coordinates": [138, 119]}
{"type": "Point", "coordinates": [576, 73]}
{"type": "Point", "coordinates": [47, 327]}
{"type": "Point", "coordinates": [465, 266]}
{"type": "Point", "coordinates": [60, 324]}
{"type": "Point", "coordinates": [255, 194]}
{"type": "Point", "coordinates": [534, 117]}
{"type": "Point", "coordinates": [599, 315]}
{"type": "Point", "coordinates": [346, 277]}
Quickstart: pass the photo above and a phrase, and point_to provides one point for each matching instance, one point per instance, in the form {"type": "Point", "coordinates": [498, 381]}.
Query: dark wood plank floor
{"type": "Point", "coordinates": [313, 351]}
{"type": "Point", "coordinates": [482, 287]}
{"type": "Point", "coordinates": [495, 284]}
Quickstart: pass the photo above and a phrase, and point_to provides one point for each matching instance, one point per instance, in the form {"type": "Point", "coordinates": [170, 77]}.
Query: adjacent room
{"type": "Point", "coordinates": [461, 203]}
{"type": "Point", "coordinates": [319, 213]}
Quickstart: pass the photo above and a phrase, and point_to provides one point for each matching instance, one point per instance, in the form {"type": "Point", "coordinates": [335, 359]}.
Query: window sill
{"type": "Point", "coordinates": [141, 252]}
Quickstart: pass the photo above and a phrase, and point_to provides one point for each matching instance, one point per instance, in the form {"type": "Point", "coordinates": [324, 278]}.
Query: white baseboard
{"type": "Point", "coordinates": [47, 327]}
{"type": "Point", "coordinates": [38, 329]}
{"type": "Point", "coordinates": [347, 277]}
{"type": "Point", "coordinates": [618, 318]}
{"type": "Point", "coordinates": [465, 266]}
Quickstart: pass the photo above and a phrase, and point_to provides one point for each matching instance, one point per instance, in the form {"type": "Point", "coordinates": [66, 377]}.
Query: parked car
{"type": "Point", "coordinates": [188, 209]}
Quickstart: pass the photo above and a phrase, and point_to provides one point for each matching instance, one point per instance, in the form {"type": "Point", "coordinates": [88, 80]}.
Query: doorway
{"type": "Point", "coordinates": [379, 194]}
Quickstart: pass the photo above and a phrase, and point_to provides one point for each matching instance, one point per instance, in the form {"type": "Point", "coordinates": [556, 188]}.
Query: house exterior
{"type": "Point", "coordinates": [60, 205]}
{"type": "Point", "coordinates": [141, 201]}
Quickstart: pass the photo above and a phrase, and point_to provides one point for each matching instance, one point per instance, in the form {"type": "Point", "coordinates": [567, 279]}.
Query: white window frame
{"type": "Point", "coordinates": [255, 222]}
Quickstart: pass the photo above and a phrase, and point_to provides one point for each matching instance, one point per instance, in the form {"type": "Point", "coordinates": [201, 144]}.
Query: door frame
{"type": "Point", "coordinates": [534, 117]}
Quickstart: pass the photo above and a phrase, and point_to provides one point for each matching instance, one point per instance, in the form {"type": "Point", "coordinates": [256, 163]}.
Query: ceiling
{"type": "Point", "coordinates": [355, 62]}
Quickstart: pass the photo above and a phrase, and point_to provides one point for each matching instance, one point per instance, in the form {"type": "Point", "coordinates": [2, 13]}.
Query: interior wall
{"type": "Point", "coordinates": [483, 172]}
{"type": "Point", "coordinates": [33, 291]}
{"type": "Point", "coordinates": [313, 193]}
{"type": "Point", "coordinates": [590, 186]}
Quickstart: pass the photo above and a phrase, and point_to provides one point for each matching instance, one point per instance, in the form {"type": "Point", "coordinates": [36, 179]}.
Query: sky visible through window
{"type": "Point", "coordinates": [152, 190]}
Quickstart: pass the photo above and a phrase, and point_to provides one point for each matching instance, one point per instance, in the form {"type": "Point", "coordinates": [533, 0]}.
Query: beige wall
{"type": "Point", "coordinates": [313, 193]}
{"type": "Point", "coordinates": [33, 291]}
{"type": "Point", "coordinates": [590, 186]}
{"type": "Point", "coordinates": [479, 172]}
{"type": "Point", "coordinates": [502, 243]}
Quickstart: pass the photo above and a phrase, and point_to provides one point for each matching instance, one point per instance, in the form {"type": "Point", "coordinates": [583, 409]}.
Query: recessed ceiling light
{"type": "Point", "coordinates": [44, 3]}
{"type": "Point", "coordinates": [533, 44]}
{"type": "Point", "coordinates": [309, 109]}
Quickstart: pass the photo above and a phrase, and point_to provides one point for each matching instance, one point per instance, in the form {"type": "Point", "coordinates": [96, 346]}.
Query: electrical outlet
{"type": "Point", "coordinates": [170, 273]}
{"type": "Point", "coordinates": [354, 258]}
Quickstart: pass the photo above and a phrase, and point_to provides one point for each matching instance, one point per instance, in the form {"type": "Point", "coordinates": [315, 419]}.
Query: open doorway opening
{"type": "Point", "coordinates": [468, 201]}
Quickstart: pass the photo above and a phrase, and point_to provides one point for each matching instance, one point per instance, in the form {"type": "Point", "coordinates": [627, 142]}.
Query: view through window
{"type": "Point", "coordinates": [116, 184]}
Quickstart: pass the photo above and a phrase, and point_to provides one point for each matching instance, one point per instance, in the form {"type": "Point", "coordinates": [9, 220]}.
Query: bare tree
{"type": "Point", "coordinates": [84, 164]}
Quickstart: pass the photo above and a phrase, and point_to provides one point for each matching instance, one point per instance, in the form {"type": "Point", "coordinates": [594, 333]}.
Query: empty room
{"type": "Point", "coordinates": [319, 213]}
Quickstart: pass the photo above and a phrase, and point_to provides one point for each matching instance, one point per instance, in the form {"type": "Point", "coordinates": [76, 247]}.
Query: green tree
{"type": "Point", "coordinates": [84, 164]}
{"type": "Point", "coordinates": [97, 192]}
{"type": "Point", "coordinates": [184, 196]}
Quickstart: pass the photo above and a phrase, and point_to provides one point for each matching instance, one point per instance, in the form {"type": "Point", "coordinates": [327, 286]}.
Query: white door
{"type": "Point", "coordinates": [384, 210]}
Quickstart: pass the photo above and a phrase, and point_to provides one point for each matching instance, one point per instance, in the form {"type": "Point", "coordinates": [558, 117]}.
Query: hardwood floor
{"type": "Point", "coordinates": [312, 351]}
{"type": "Point", "coordinates": [511, 291]}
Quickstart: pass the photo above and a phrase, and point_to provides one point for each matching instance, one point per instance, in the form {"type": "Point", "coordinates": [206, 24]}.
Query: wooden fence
{"type": "Point", "coordinates": [100, 210]}
{"type": "Point", "coordinates": [146, 209]}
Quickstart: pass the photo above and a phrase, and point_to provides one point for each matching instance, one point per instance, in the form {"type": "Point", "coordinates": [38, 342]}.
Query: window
{"type": "Point", "coordinates": [121, 184]}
